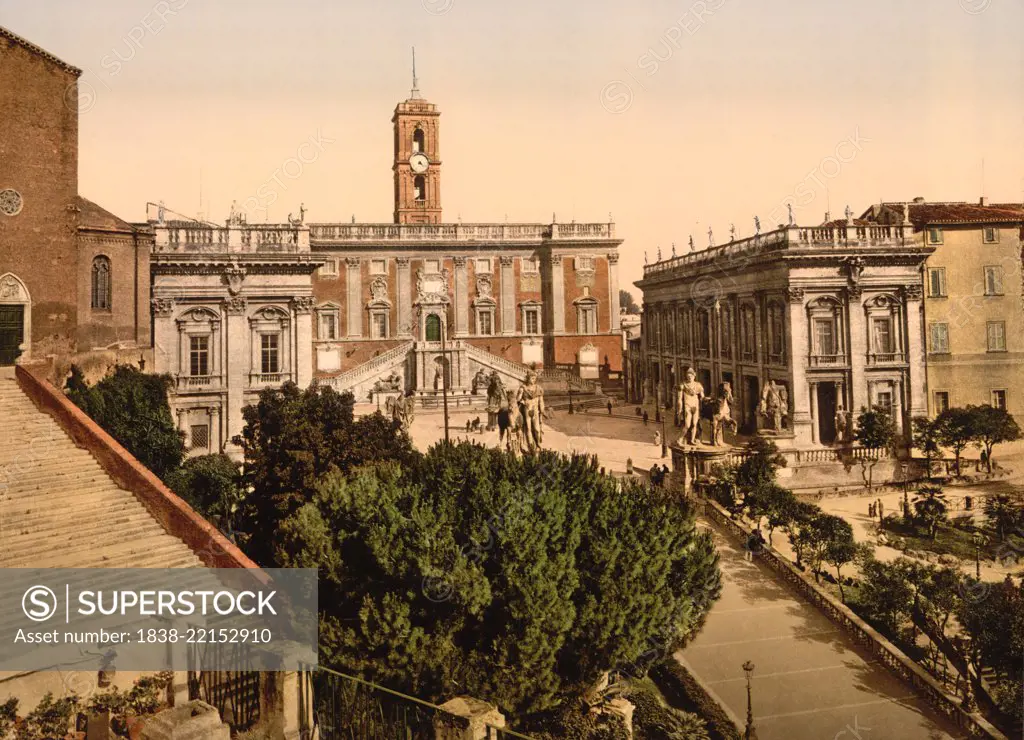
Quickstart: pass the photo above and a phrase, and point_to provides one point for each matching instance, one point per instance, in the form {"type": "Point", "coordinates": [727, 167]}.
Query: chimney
{"type": "Point", "coordinates": [983, 201]}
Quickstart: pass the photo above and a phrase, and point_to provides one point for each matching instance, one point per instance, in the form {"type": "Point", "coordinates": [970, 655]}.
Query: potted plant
{"type": "Point", "coordinates": [50, 720]}
{"type": "Point", "coordinates": [128, 710]}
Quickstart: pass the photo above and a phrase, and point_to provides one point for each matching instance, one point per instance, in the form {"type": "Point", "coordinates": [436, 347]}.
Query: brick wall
{"type": "Point", "coordinates": [39, 151]}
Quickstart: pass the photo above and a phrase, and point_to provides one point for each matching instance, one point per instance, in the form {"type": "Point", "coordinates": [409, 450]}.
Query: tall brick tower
{"type": "Point", "coordinates": [417, 164]}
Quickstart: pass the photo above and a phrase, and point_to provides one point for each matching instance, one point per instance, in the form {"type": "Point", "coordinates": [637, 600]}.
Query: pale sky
{"type": "Point", "coordinates": [548, 106]}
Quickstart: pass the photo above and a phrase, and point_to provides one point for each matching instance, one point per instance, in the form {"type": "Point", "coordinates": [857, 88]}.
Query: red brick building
{"type": "Point", "coordinates": [74, 279]}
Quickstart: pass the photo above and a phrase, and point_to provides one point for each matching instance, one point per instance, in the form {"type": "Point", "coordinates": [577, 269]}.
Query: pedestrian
{"type": "Point", "coordinates": [755, 543]}
{"type": "Point", "coordinates": [880, 509]}
{"type": "Point", "coordinates": [655, 475]}
{"type": "Point", "coordinates": [657, 438]}
{"type": "Point", "coordinates": [609, 407]}
{"type": "Point", "coordinates": [646, 418]}
{"type": "Point", "coordinates": [871, 511]}
{"type": "Point", "coordinates": [468, 425]}
{"type": "Point", "coordinates": [629, 465]}
{"type": "Point", "coordinates": [664, 473]}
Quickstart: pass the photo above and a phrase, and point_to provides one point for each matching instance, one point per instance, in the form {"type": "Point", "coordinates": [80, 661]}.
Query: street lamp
{"type": "Point", "coordinates": [444, 378]}
{"type": "Point", "coordinates": [979, 540]}
{"type": "Point", "coordinates": [664, 438]}
{"type": "Point", "coordinates": [751, 732]}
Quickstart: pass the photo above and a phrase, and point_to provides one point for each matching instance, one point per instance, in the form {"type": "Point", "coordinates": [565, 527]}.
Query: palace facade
{"type": "Point", "coordinates": [420, 304]}
{"type": "Point", "coordinates": [832, 315]}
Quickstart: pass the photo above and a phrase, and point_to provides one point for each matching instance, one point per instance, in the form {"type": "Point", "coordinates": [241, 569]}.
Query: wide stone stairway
{"type": "Point", "coordinates": [59, 508]}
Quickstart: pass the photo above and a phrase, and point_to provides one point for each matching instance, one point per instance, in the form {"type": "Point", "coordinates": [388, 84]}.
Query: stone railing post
{"type": "Point", "coordinates": [477, 717]}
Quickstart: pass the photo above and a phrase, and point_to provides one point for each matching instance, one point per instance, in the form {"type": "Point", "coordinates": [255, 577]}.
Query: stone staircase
{"type": "Point", "coordinates": [60, 509]}
{"type": "Point", "coordinates": [361, 378]}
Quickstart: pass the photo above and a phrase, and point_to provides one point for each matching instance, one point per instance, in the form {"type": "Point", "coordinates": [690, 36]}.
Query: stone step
{"type": "Point", "coordinates": [18, 488]}
{"type": "Point", "coordinates": [27, 450]}
{"type": "Point", "coordinates": [34, 464]}
{"type": "Point", "coordinates": [149, 552]}
{"type": "Point", "coordinates": [45, 541]}
{"type": "Point", "coordinates": [98, 505]}
{"type": "Point", "coordinates": [93, 496]}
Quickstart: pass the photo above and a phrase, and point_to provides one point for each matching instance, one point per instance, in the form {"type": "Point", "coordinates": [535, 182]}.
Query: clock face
{"type": "Point", "coordinates": [419, 163]}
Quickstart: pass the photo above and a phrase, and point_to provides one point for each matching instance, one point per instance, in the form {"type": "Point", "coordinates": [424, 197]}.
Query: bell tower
{"type": "Point", "coordinates": [417, 164]}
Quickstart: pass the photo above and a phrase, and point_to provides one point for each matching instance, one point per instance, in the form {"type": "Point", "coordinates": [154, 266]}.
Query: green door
{"type": "Point", "coordinates": [12, 333]}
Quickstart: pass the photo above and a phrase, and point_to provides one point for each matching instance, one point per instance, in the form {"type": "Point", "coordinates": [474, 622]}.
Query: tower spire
{"type": "Point", "coordinates": [415, 80]}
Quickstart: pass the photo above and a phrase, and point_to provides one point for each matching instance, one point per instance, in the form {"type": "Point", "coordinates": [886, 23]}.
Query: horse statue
{"type": "Point", "coordinates": [722, 416]}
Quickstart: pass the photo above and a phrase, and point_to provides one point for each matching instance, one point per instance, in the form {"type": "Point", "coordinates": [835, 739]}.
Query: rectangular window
{"type": "Point", "coordinates": [200, 436]}
{"type": "Point", "coordinates": [941, 401]}
{"type": "Point", "coordinates": [530, 265]}
{"type": "Point", "coordinates": [882, 330]}
{"type": "Point", "coordinates": [588, 321]}
{"type": "Point", "coordinates": [939, 338]}
{"type": "Point", "coordinates": [531, 319]}
{"type": "Point", "coordinates": [935, 236]}
{"type": "Point", "coordinates": [885, 400]}
{"type": "Point", "coordinates": [199, 356]}
{"type": "Point", "coordinates": [937, 282]}
{"type": "Point", "coordinates": [433, 267]}
{"type": "Point", "coordinates": [329, 268]}
{"type": "Point", "coordinates": [584, 263]}
{"type": "Point", "coordinates": [270, 353]}
{"type": "Point", "coordinates": [483, 265]}
{"type": "Point", "coordinates": [991, 235]}
{"type": "Point", "coordinates": [379, 325]}
{"type": "Point", "coordinates": [328, 325]}
{"type": "Point", "coordinates": [378, 267]}
{"type": "Point", "coordinates": [997, 336]}
{"type": "Point", "coordinates": [994, 280]}
{"type": "Point", "coordinates": [485, 323]}
{"type": "Point", "coordinates": [824, 337]}
{"type": "Point", "coordinates": [999, 400]}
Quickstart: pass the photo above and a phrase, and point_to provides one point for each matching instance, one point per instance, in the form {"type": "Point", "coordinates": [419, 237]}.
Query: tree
{"type": "Point", "coordinates": [955, 430]}
{"type": "Point", "coordinates": [292, 438]}
{"type": "Point", "coordinates": [627, 304]}
{"type": "Point", "coordinates": [471, 571]}
{"type": "Point", "coordinates": [995, 625]}
{"type": "Point", "coordinates": [759, 467]}
{"type": "Point", "coordinates": [1004, 513]}
{"type": "Point", "coordinates": [829, 539]}
{"type": "Point", "coordinates": [930, 508]}
{"type": "Point", "coordinates": [992, 426]}
{"type": "Point", "coordinates": [210, 484]}
{"type": "Point", "coordinates": [875, 430]}
{"type": "Point", "coordinates": [132, 407]}
{"type": "Point", "coordinates": [926, 439]}
{"type": "Point", "coordinates": [797, 528]}
{"type": "Point", "coordinates": [941, 589]}
{"type": "Point", "coordinates": [771, 501]}
{"type": "Point", "coordinates": [886, 596]}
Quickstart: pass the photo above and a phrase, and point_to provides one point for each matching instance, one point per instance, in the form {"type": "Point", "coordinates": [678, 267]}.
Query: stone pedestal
{"type": "Point", "coordinates": [195, 720]}
{"type": "Point", "coordinates": [478, 715]}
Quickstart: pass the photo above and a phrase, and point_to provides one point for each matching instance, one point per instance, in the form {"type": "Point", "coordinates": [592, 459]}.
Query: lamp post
{"type": "Point", "coordinates": [571, 410]}
{"type": "Point", "coordinates": [979, 540]}
{"type": "Point", "coordinates": [750, 733]}
{"type": "Point", "coordinates": [664, 438]}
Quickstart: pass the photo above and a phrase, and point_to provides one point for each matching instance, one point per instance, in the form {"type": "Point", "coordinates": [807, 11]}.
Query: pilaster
{"type": "Point", "coordinates": [461, 297]}
{"type": "Point", "coordinates": [508, 295]}
{"type": "Point", "coordinates": [403, 297]}
{"type": "Point", "coordinates": [354, 294]}
{"type": "Point", "coordinates": [557, 295]}
{"type": "Point", "coordinates": [613, 291]}
{"type": "Point", "coordinates": [858, 344]}
{"type": "Point", "coordinates": [303, 309]}
{"type": "Point", "coordinates": [917, 393]}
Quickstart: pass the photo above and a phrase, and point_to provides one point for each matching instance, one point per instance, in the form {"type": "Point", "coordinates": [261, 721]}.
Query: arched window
{"type": "Point", "coordinates": [419, 188]}
{"type": "Point", "coordinates": [418, 141]}
{"type": "Point", "coordinates": [101, 283]}
{"type": "Point", "coordinates": [433, 328]}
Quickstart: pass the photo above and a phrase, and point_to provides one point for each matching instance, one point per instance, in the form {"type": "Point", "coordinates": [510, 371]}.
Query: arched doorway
{"type": "Point", "coordinates": [15, 319]}
{"type": "Point", "coordinates": [432, 328]}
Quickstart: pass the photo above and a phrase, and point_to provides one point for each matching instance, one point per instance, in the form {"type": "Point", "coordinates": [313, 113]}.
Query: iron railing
{"type": "Point", "coordinates": [335, 706]}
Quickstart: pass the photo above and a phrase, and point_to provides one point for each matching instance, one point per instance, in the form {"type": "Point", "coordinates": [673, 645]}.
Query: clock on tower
{"type": "Point", "coordinates": [417, 165]}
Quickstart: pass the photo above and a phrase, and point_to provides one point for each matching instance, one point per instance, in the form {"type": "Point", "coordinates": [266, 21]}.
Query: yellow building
{"type": "Point", "coordinates": [973, 318]}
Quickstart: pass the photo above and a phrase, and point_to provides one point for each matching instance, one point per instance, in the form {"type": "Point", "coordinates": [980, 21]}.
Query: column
{"type": "Point", "coordinates": [716, 350]}
{"type": "Point", "coordinates": [461, 297]}
{"type": "Point", "coordinates": [859, 392]}
{"type": "Point", "coordinates": [303, 307]}
{"type": "Point", "coordinates": [914, 347]}
{"type": "Point", "coordinates": [164, 341]}
{"type": "Point", "coordinates": [237, 340]}
{"type": "Point", "coordinates": [557, 295]}
{"type": "Point", "coordinates": [216, 434]}
{"type": "Point", "coordinates": [403, 298]}
{"type": "Point", "coordinates": [613, 290]}
{"type": "Point", "coordinates": [814, 413]}
{"type": "Point", "coordinates": [354, 294]}
{"type": "Point", "coordinates": [508, 296]}
{"type": "Point", "coordinates": [804, 415]}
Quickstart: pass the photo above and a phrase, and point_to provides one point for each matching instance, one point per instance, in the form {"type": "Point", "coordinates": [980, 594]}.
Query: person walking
{"type": "Point", "coordinates": [609, 407]}
{"type": "Point", "coordinates": [755, 543]}
{"type": "Point", "coordinates": [646, 418]}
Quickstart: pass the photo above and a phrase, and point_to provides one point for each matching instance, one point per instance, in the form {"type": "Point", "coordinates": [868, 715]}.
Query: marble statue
{"type": "Point", "coordinates": [479, 380]}
{"type": "Point", "coordinates": [757, 225]}
{"type": "Point", "coordinates": [390, 384]}
{"type": "Point", "coordinates": [722, 417]}
{"type": "Point", "coordinates": [690, 395]}
{"type": "Point", "coordinates": [771, 405]}
{"type": "Point", "coordinates": [510, 425]}
{"type": "Point", "coordinates": [530, 399]}
{"type": "Point", "coordinates": [402, 410]}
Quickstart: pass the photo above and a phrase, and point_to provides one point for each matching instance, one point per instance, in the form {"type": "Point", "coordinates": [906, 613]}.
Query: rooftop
{"type": "Point", "coordinates": [923, 213]}
{"type": "Point", "coordinates": [39, 51]}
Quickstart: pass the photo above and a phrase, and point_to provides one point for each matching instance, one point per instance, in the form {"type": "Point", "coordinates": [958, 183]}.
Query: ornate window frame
{"type": "Point", "coordinates": [270, 319]}
{"type": "Point", "coordinates": [527, 307]}
{"type": "Point", "coordinates": [101, 284]}
{"type": "Point", "coordinates": [831, 309]}
{"type": "Point", "coordinates": [330, 308]}
{"type": "Point", "coordinates": [198, 321]}
{"type": "Point", "coordinates": [586, 312]}
{"type": "Point", "coordinates": [885, 306]}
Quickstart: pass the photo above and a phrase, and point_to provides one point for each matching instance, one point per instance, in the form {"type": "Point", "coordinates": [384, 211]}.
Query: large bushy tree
{"type": "Point", "coordinates": [132, 407]}
{"type": "Point", "coordinates": [955, 430]}
{"type": "Point", "coordinates": [627, 304]}
{"type": "Point", "coordinates": [992, 426]}
{"type": "Point", "coordinates": [210, 484]}
{"type": "Point", "coordinates": [876, 429]}
{"type": "Point", "coordinates": [514, 580]}
{"type": "Point", "coordinates": [293, 437]}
